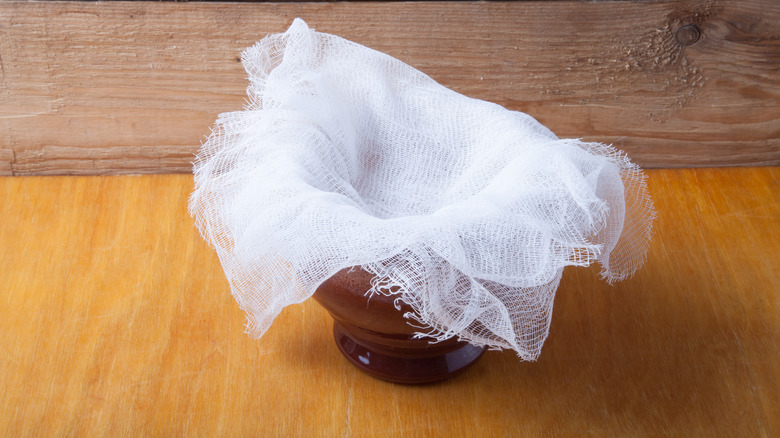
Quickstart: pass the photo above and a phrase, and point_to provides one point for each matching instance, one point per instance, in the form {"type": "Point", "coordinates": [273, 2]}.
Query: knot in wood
{"type": "Point", "coordinates": [688, 34]}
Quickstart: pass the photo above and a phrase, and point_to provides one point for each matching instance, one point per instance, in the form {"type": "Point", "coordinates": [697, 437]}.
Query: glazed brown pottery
{"type": "Point", "coordinates": [376, 338]}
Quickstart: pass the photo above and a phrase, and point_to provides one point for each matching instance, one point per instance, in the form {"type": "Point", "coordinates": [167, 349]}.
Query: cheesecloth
{"type": "Point", "coordinates": [468, 212]}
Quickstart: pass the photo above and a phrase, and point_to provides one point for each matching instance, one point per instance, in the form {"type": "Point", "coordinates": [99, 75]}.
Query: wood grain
{"type": "Point", "coordinates": [133, 87]}
{"type": "Point", "coordinates": [117, 321]}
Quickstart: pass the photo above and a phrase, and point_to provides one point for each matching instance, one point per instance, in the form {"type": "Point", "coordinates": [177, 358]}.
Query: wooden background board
{"type": "Point", "coordinates": [117, 320]}
{"type": "Point", "coordinates": [133, 87]}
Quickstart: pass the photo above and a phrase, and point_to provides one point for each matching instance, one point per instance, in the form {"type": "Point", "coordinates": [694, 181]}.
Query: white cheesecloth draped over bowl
{"type": "Point", "coordinates": [345, 156]}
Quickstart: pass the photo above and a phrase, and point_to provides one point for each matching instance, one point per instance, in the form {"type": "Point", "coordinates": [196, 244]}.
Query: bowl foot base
{"type": "Point", "coordinates": [415, 363]}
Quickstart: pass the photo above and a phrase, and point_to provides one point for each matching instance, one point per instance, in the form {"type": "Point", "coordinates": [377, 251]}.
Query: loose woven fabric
{"type": "Point", "coordinates": [345, 156]}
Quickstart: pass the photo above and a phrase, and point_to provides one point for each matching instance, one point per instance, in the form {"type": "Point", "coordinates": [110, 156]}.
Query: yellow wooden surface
{"type": "Point", "coordinates": [133, 87]}
{"type": "Point", "coordinates": [116, 320]}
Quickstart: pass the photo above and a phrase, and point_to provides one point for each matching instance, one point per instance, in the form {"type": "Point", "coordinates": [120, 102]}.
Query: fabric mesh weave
{"type": "Point", "coordinates": [345, 156]}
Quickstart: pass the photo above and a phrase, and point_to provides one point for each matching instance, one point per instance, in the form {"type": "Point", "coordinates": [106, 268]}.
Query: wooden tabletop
{"type": "Point", "coordinates": [117, 320]}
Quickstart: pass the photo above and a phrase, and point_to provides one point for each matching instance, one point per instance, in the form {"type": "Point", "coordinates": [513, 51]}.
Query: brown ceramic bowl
{"type": "Point", "coordinates": [376, 338]}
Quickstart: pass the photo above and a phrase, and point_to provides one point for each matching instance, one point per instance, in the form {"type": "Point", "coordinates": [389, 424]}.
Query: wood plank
{"type": "Point", "coordinates": [135, 86]}
{"type": "Point", "coordinates": [118, 321]}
